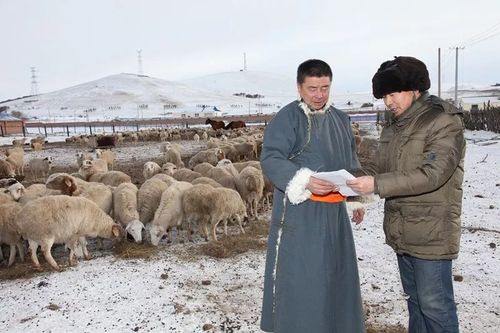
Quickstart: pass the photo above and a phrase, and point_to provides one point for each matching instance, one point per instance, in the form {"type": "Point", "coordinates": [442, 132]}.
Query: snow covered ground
{"type": "Point", "coordinates": [179, 291]}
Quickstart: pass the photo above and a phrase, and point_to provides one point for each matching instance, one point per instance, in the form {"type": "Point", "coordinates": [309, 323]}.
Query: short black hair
{"type": "Point", "coordinates": [313, 67]}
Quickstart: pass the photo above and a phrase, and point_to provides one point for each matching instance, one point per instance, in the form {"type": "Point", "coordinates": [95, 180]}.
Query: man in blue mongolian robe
{"type": "Point", "coordinates": [311, 279]}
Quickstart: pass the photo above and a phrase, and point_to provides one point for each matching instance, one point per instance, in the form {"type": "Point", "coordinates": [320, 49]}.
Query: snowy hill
{"type": "Point", "coordinates": [139, 96]}
{"type": "Point", "coordinates": [250, 82]}
{"type": "Point", "coordinates": [133, 96]}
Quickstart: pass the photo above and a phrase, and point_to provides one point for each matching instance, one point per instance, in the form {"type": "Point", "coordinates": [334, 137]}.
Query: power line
{"type": "Point", "coordinates": [482, 36]}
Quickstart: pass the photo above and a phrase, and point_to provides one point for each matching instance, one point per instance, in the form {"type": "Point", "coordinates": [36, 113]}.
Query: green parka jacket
{"type": "Point", "coordinates": [419, 171]}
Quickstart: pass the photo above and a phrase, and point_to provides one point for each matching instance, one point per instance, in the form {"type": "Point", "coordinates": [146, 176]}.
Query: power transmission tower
{"type": "Point", "coordinates": [34, 82]}
{"type": "Point", "coordinates": [139, 62]}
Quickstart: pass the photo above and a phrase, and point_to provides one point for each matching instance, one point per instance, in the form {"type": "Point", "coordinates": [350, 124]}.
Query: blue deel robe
{"type": "Point", "coordinates": [313, 283]}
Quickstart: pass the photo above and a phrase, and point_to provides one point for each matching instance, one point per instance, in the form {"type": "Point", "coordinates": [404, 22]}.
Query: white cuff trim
{"type": "Point", "coordinates": [296, 188]}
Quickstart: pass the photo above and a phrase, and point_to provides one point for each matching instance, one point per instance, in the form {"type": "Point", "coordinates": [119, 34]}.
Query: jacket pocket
{"type": "Point", "coordinates": [423, 224]}
{"type": "Point", "coordinates": [411, 151]}
{"type": "Point", "coordinates": [392, 226]}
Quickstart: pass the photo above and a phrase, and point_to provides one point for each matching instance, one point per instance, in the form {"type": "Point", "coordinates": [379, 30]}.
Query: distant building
{"type": "Point", "coordinates": [478, 103]}
{"type": "Point", "coordinates": [210, 114]}
{"type": "Point", "coordinates": [10, 125]}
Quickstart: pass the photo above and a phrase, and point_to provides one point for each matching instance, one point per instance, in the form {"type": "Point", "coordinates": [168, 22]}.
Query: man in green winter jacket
{"type": "Point", "coordinates": [419, 172]}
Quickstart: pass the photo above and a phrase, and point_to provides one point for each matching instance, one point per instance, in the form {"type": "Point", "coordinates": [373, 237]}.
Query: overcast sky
{"type": "Point", "coordinates": [73, 41]}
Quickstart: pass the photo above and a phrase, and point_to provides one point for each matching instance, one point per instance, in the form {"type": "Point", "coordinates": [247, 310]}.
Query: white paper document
{"type": "Point", "coordinates": [338, 178]}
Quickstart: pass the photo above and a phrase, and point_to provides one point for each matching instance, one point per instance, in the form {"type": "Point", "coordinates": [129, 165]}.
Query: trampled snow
{"type": "Point", "coordinates": [170, 293]}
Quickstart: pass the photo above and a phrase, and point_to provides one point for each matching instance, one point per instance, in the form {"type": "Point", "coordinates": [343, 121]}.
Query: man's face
{"type": "Point", "coordinates": [399, 102]}
{"type": "Point", "coordinates": [315, 91]}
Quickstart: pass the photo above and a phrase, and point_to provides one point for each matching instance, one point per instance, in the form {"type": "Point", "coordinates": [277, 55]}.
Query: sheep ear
{"type": "Point", "coordinates": [116, 231]}
{"type": "Point", "coordinates": [67, 182]}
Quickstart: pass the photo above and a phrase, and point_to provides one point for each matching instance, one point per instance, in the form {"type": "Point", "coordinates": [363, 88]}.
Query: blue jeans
{"type": "Point", "coordinates": [429, 286]}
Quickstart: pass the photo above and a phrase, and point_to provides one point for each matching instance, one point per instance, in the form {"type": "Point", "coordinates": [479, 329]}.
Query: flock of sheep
{"type": "Point", "coordinates": [219, 185]}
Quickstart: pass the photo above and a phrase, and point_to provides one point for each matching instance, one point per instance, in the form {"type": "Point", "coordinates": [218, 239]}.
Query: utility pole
{"type": "Point", "coordinates": [456, 72]}
{"type": "Point", "coordinates": [439, 72]}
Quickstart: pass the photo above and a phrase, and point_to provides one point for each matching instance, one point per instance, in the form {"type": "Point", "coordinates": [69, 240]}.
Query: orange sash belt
{"type": "Point", "coordinates": [331, 197]}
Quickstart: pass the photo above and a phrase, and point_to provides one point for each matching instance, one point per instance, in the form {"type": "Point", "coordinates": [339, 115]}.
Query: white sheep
{"type": "Point", "coordinates": [246, 150]}
{"type": "Point", "coordinates": [36, 191]}
{"type": "Point", "coordinates": [12, 193]}
{"type": "Point", "coordinates": [150, 169]}
{"type": "Point", "coordinates": [203, 168]}
{"type": "Point", "coordinates": [267, 194]}
{"type": "Point", "coordinates": [206, 180]}
{"type": "Point", "coordinates": [63, 219]}
{"type": "Point", "coordinates": [206, 205]}
{"type": "Point", "coordinates": [173, 155]}
{"type": "Point", "coordinates": [228, 165]}
{"type": "Point", "coordinates": [164, 178]}
{"type": "Point", "coordinates": [112, 178]}
{"type": "Point", "coordinates": [242, 165]}
{"type": "Point", "coordinates": [19, 142]}
{"type": "Point", "coordinates": [6, 169]}
{"type": "Point", "coordinates": [228, 206]}
{"type": "Point", "coordinates": [15, 156]}
{"type": "Point", "coordinates": [222, 176]}
{"type": "Point", "coordinates": [168, 168]}
{"type": "Point", "coordinates": [8, 231]}
{"type": "Point", "coordinates": [98, 165]}
{"type": "Point", "coordinates": [251, 187]}
{"type": "Point", "coordinates": [148, 197]}
{"type": "Point", "coordinates": [82, 156]}
{"type": "Point", "coordinates": [6, 182]}
{"type": "Point", "coordinates": [186, 175]}
{"type": "Point", "coordinates": [106, 155]}
{"type": "Point", "coordinates": [196, 208]}
{"type": "Point", "coordinates": [99, 193]}
{"type": "Point", "coordinates": [196, 137]}
{"type": "Point", "coordinates": [229, 151]}
{"type": "Point", "coordinates": [169, 213]}
{"type": "Point", "coordinates": [38, 139]}
{"type": "Point", "coordinates": [125, 209]}
{"type": "Point", "coordinates": [40, 167]}
{"type": "Point", "coordinates": [211, 156]}
{"type": "Point", "coordinates": [63, 182]}
{"type": "Point", "coordinates": [167, 145]}
{"type": "Point", "coordinates": [37, 146]}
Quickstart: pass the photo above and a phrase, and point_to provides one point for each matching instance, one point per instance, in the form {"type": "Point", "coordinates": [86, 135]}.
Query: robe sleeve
{"type": "Point", "coordinates": [280, 138]}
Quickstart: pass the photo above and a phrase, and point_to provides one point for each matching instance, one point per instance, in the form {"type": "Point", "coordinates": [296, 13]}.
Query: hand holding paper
{"type": "Point", "coordinates": [338, 178]}
{"type": "Point", "coordinates": [363, 185]}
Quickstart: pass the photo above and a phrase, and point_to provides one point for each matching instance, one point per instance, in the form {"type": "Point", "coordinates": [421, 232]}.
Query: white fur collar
{"type": "Point", "coordinates": [307, 110]}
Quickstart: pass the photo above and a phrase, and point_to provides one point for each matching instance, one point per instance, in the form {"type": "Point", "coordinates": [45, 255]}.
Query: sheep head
{"type": "Point", "coordinates": [16, 190]}
{"type": "Point", "coordinates": [135, 228]}
{"type": "Point", "coordinates": [117, 232]}
{"type": "Point", "coordinates": [156, 233]}
{"type": "Point", "coordinates": [168, 168]}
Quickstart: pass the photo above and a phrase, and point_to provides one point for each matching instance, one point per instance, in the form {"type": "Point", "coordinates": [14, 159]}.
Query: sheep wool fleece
{"type": "Point", "coordinates": [311, 277]}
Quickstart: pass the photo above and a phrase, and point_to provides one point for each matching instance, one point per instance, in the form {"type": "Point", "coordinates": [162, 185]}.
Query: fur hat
{"type": "Point", "coordinates": [400, 74]}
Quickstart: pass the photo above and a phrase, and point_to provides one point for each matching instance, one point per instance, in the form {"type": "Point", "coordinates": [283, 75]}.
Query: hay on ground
{"type": "Point", "coordinates": [131, 250]}
{"type": "Point", "coordinates": [232, 245]}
